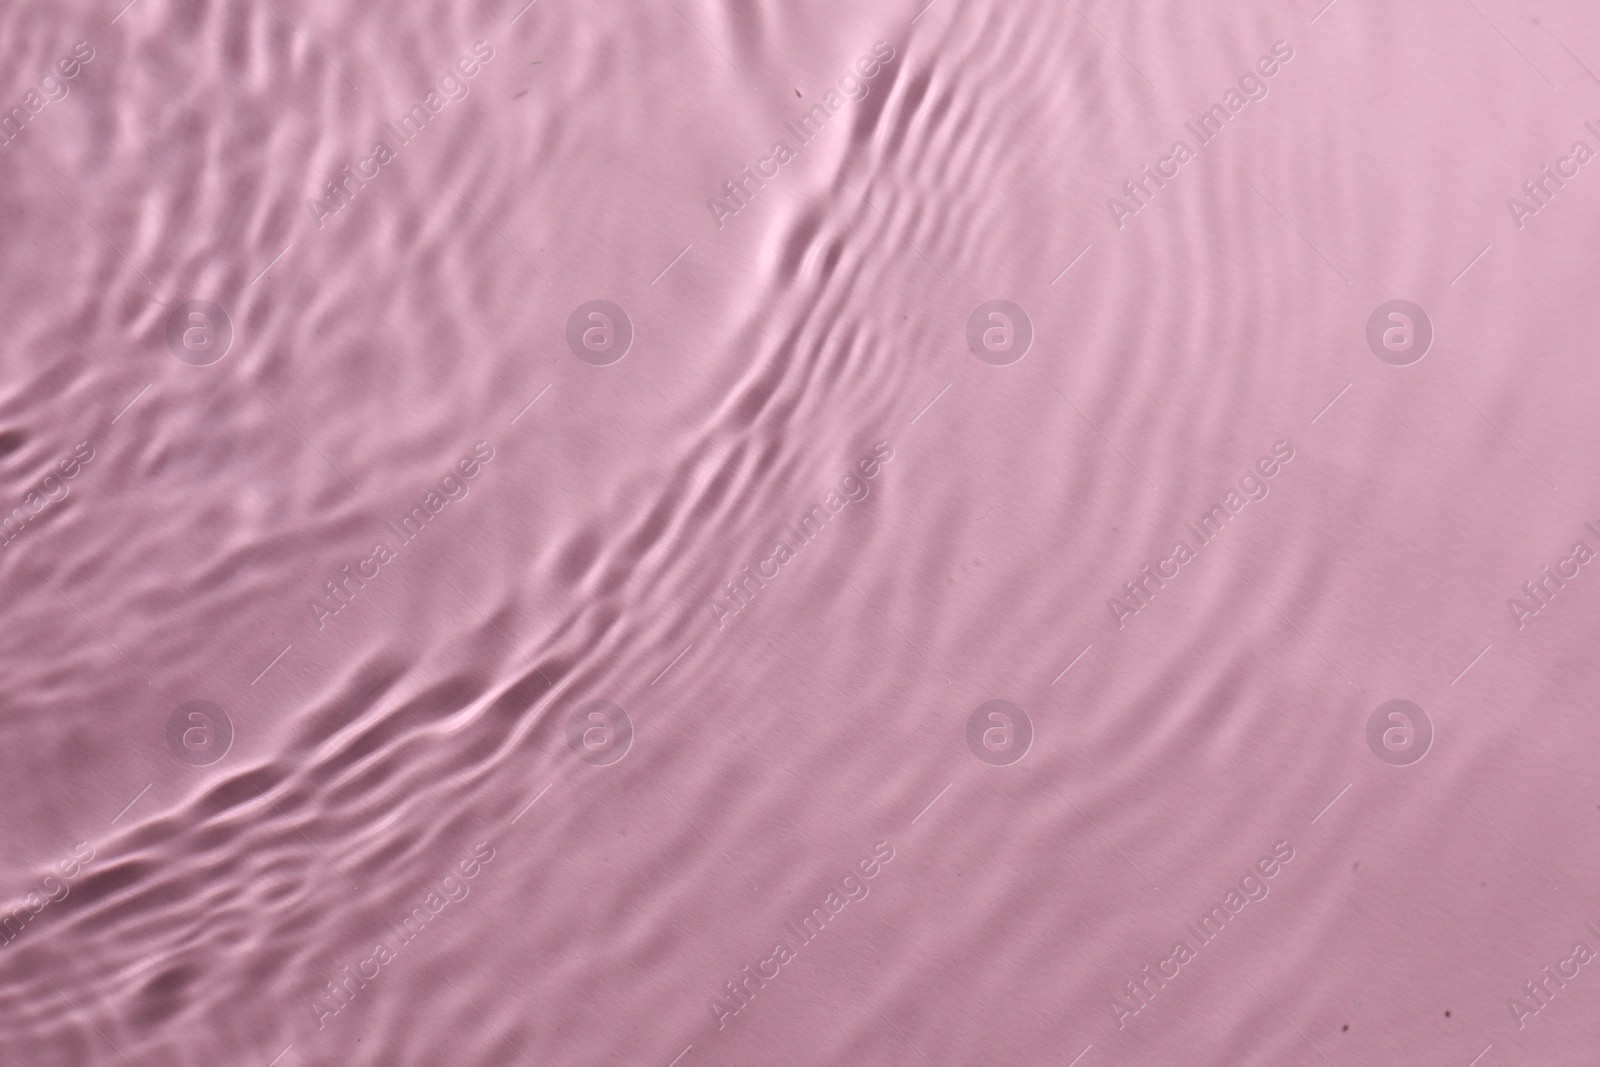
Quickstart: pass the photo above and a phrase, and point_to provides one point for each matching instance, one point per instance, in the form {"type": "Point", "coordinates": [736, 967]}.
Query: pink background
{"type": "Point", "coordinates": [375, 749]}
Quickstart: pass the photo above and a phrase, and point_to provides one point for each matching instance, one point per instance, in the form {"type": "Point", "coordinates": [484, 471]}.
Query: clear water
{"type": "Point", "coordinates": [520, 518]}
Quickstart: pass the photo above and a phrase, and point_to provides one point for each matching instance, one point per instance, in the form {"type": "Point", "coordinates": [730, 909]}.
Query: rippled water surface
{"type": "Point", "coordinates": [723, 532]}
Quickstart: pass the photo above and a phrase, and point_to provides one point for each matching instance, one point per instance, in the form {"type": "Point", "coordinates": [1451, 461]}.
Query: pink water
{"type": "Point", "coordinates": [723, 533]}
